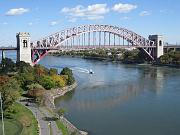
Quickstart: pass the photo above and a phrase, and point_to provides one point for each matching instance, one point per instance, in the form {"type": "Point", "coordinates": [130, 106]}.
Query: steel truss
{"type": "Point", "coordinates": [75, 38]}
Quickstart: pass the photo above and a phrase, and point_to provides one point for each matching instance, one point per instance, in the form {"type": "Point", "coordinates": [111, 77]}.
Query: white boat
{"type": "Point", "coordinates": [91, 72]}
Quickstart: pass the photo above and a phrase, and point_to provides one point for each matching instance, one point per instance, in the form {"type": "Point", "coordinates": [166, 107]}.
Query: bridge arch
{"type": "Point", "coordinates": [56, 41]}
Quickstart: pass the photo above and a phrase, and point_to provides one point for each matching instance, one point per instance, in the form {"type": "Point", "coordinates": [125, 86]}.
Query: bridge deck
{"type": "Point", "coordinates": [92, 47]}
{"type": "Point", "coordinates": [7, 48]}
{"type": "Point", "coordinates": [88, 47]}
{"type": "Point", "coordinates": [172, 46]}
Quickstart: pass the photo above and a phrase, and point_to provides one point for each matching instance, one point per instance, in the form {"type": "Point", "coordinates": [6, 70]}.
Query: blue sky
{"type": "Point", "coordinates": [44, 17]}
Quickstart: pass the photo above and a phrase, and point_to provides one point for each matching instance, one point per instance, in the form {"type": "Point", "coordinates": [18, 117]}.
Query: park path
{"type": "Point", "coordinates": [55, 129]}
{"type": "Point", "coordinates": [47, 125]}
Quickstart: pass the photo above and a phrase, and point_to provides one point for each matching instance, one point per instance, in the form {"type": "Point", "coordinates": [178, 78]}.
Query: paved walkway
{"type": "Point", "coordinates": [47, 124]}
{"type": "Point", "coordinates": [54, 127]}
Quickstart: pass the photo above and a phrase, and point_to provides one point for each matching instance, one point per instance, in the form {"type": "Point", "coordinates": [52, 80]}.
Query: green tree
{"type": "Point", "coordinates": [25, 79]}
{"type": "Point", "coordinates": [23, 67]}
{"type": "Point", "coordinates": [53, 71]}
{"type": "Point", "coordinates": [60, 80]}
{"type": "Point", "coordinates": [35, 86]}
{"type": "Point", "coordinates": [134, 56]}
{"type": "Point", "coordinates": [165, 59]}
{"type": "Point", "coordinates": [10, 91]}
{"type": "Point", "coordinates": [40, 70]}
{"type": "Point", "coordinates": [68, 72]}
{"type": "Point", "coordinates": [36, 91]}
{"type": "Point", "coordinates": [47, 82]}
{"type": "Point", "coordinates": [171, 57]}
{"type": "Point", "coordinates": [7, 65]}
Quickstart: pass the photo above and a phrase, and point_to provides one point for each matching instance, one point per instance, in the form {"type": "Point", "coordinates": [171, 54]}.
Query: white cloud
{"type": "Point", "coordinates": [145, 13]}
{"type": "Point", "coordinates": [16, 11]}
{"type": "Point", "coordinates": [53, 23]}
{"type": "Point", "coordinates": [124, 8]}
{"type": "Point", "coordinates": [91, 12]}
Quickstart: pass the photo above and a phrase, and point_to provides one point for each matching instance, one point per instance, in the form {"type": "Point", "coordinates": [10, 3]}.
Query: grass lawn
{"type": "Point", "coordinates": [23, 121]}
{"type": "Point", "coordinates": [62, 127]}
{"type": "Point", "coordinates": [12, 127]}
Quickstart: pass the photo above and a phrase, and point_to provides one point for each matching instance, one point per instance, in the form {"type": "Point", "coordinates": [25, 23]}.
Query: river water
{"type": "Point", "coordinates": [121, 99]}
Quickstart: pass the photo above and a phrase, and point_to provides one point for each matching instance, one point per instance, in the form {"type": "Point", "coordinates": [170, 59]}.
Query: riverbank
{"type": "Point", "coordinates": [134, 56]}
{"type": "Point", "coordinates": [166, 65]}
{"type": "Point", "coordinates": [50, 96]}
{"type": "Point", "coordinates": [119, 61]}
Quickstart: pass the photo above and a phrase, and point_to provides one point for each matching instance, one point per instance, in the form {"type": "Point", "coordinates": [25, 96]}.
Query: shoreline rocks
{"type": "Point", "coordinates": [51, 95]}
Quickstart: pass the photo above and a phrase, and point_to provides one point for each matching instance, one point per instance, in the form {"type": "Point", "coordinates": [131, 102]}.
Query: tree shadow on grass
{"type": "Point", "coordinates": [31, 100]}
{"type": "Point", "coordinates": [49, 118]}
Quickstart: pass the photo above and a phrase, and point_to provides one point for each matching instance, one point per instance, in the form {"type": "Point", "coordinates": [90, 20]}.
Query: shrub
{"type": "Point", "coordinates": [60, 81]}
{"type": "Point", "coordinates": [47, 82]}
{"type": "Point", "coordinates": [36, 93]}
{"type": "Point", "coordinates": [35, 86]}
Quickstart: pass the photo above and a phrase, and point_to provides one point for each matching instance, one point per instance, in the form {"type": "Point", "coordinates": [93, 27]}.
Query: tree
{"type": "Point", "coordinates": [47, 82]}
{"type": "Point", "coordinates": [8, 65]}
{"type": "Point", "coordinates": [24, 67]}
{"type": "Point", "coordinates": [171, 57]}
{"type": "Point", "coordinates": [25, 79]}
{"type": "Point", "coordinates": [60, 80]}
{"type": "Point", "coordinates": [40, 70]}
{"type": "Point", "coordinates": [35, 93]}
{"type": "Point", "coordinates": [165, 59]}
{"type": "Point", "coordinates": [35, 86]}
{"type": "Point", "coordinates": [134, 56]}
{"type": "Point", "coordinates": [68, 72]}
{"type": "Point", "coordinates": [10, 91]}
{"type": "Point", "coordinates": [53, 71]}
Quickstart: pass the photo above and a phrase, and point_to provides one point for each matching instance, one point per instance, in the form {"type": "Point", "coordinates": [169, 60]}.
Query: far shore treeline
{"type": "Point", "coordinates": [135, 56]}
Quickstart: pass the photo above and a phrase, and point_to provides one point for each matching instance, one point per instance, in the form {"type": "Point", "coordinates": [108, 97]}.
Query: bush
{"type": "Point", "coordinates": [47, 82]}
{"type": "Point", "coordinates": [170, 58]}
{"type": "Point", "coordinates": [35, 86]}
{"type": "Point", "coordinates": [60, 80]}
{"type": "Point", "coordinates": [36, 93]}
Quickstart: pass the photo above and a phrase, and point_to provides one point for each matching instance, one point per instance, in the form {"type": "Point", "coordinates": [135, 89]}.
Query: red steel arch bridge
{"type": "Point", "coordinates": [85, 37]}
{"type": "Point", "coordinates": [91, 37]}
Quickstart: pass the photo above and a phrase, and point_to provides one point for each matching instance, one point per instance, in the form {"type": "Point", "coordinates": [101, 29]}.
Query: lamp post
{"type": "Point", "coordinates": [2, 115]}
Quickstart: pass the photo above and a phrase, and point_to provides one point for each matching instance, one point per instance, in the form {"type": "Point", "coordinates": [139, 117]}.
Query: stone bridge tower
{"type": "Point", "coordinates": [23, 47]}
{"type": "Point", "coordinates": [158, 40]}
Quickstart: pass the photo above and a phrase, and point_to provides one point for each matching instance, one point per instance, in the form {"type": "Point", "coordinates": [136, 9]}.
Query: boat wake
{"type": "Point", "coordinates": [82, 70]}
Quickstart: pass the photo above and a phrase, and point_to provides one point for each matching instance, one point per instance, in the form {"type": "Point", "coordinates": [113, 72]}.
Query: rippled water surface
{"type": "Point", "coordinates": [121, 99]}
